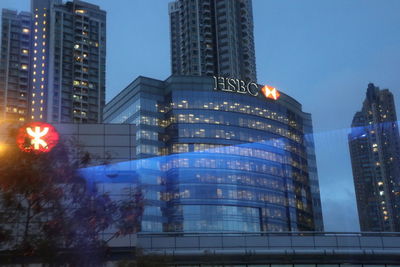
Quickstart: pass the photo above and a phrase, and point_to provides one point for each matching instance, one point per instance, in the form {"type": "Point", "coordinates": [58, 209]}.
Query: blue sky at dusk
{"type": "Point", "coordinates": [323, 53]}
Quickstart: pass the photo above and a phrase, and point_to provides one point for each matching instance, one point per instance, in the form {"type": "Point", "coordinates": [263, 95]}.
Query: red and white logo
{"type": "Point", "coordinates": [37, 137]}
{"type": "Point", "coordinates": [270, 92]}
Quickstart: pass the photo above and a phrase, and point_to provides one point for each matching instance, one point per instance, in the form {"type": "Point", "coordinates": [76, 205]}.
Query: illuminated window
{"type": "Point", "coordinates": [44, 36]}
{"type": "Point", "coordinates": [76, 46]}
{"type": "Point", "coordinates": [34, 80]}
{"type": "Point", "coordinates": [25, 30]}
{"type": "Point", "coordinates": [35, 44]}
{"type": "Point", "coordinates": [44, 22]}
{"type": "Point", "coordinates": [43, 50]}
{"type": "Point", "coordinates": [25, 51]}
{"type": "Point", "coordinates": [42, 86]}
{"type": "Point", "coordinates": [34, 73]}
{"type": "Point", "coordinates": [80, 11]}
{"type": "Point", "coordinates": [36, 16]}
{"type": "Point", "coordinates": [44, 43]}
{"type": "Point", "coordinates": [36, 23]}
{"type": "Point", "coordinates": [42, 71]}
{"type": "Point", "coordinates": [77, 82]}
{"type": "Point", "coordinates": [44, 15]}
{"type": "Point", "coordinates": [42, 79]}
{"type": "Point", "coordinates": [35, 37]}
{"type": "Point", "coordinates": [34, 51]}
{"type": "Point", "coordinates": [24, 66]}
{"type": "Point", "coordinates": [36, 30]}
{"type": "Point", "coordinates": [34, 58]}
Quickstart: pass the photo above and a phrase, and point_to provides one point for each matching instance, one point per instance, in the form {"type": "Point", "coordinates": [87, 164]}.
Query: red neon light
{"type": "Point", "coordinates": [37, 137]}
{"type": "Point", "coordinates": [270, 92]}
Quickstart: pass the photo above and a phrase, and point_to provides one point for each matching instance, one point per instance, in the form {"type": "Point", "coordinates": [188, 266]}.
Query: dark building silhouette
{"type": "Point", "coordinates": [375, 155]}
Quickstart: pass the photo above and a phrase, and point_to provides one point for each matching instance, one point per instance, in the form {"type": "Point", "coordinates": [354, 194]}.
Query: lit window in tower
{"type": "Point", "coordinates": [35, 51]}
{"type": "Point", "coordinates": [35, 44]}
{"type": "Point", "coordinates": [25, 51]}
{"type": "Point", "coordinates": [25, 30]}
{"type": "Point", "coordinates": [44, 22]}
{"type": "Point", "coordinates": [36, 16]}
{"type": "Point", "coordinates": [36, 30]}
{"type": "Point", "coordinates": [24, 66]}
{"type": "Point", "coordinates": [36, 23]}
{"type": "Point", "coordinates": [44, 43]}
{"type": "Point", "coordinates": [43, 50]}
{"type": "Point", "coordinates": [34, 58]}
{"type": "Point", "coordinates": [34, 80]}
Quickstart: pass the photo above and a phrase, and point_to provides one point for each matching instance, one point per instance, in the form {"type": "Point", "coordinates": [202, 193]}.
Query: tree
{"type": "Point", "coordinates": [48, 212]}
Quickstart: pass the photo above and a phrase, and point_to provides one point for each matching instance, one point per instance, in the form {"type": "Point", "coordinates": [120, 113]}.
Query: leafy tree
{"type": "Point", "coordinates": [48, 211]}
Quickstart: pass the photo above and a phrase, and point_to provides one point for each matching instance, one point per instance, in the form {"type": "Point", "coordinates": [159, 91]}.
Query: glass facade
{"type": "Point", "coordinates": [227, 161]}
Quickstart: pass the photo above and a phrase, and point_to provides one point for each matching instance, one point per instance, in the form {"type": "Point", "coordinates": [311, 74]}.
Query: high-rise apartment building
{"type": "Point", "coordinates": [68, 63]}
{"type": "Point", "coordinates": [61, 62]}
{"type": "Point", "coordinates": [14, 65]}
{"type": "Point", "coordinates": [213, 37]}
{"type": "Point", "coordinates": [375, 154]}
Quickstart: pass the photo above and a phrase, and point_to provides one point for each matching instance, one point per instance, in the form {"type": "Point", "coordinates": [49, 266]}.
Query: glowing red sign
{"type": "Point", "coordinates": [37, 137]}
{"type": "Point", "coordinates": [270, 92]}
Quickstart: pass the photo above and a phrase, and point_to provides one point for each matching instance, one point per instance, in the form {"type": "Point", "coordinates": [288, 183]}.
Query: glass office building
{"type": "Point", "coordinates": [216, 154]}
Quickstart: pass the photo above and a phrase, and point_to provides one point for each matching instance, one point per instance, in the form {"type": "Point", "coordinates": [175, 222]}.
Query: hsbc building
{"type": "Point", "coordinates": [225, 155]}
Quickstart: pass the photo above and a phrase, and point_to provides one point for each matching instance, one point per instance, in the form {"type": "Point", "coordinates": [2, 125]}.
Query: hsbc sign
{"type": "Point", "coordinates": [242, 87]}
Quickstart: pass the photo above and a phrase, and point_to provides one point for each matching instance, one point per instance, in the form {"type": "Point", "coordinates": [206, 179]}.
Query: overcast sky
{"type": "Point", "coordinates": [323, 53]}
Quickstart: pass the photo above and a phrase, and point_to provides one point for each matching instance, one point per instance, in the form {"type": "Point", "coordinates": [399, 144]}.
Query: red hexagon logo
{"type": "Point", "coordinates": [38, 137]}
{"type": "Point", "coordinates": [270, 92]}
